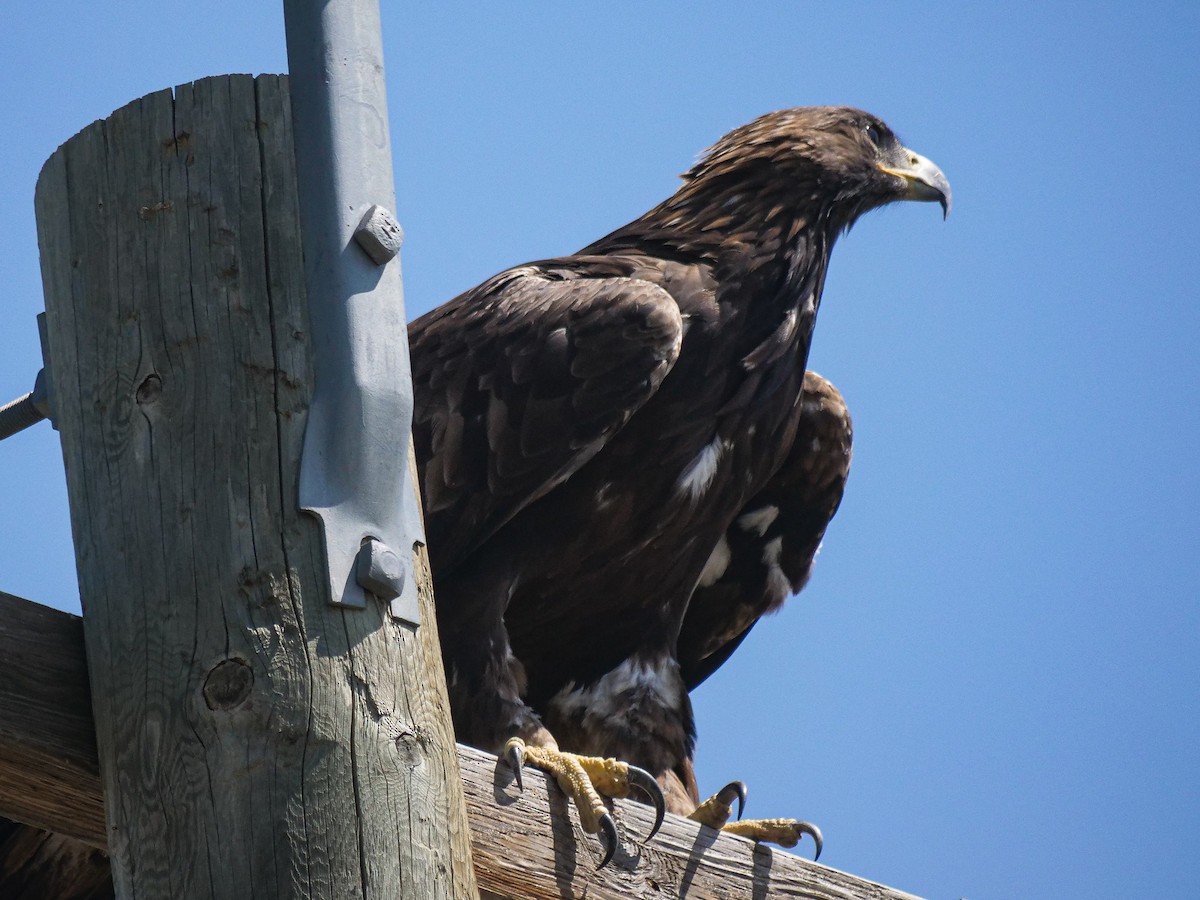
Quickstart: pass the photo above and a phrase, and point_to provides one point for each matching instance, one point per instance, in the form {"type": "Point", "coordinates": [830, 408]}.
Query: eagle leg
{"type": "Point", "coordinates": [584, 779]}
{"type": "Point", "coordinates": [716, 810]}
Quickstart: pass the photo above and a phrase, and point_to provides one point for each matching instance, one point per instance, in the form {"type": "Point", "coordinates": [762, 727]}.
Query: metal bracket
{"type": "Point", "coordinates": [43, 388]}
{"type": "Point", "coordinates": [354, 469]}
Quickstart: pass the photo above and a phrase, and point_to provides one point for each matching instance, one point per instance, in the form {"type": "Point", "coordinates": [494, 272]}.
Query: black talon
{"type": "Point", "coordinates": [515, 757]}
{"type": "Point", "coordinates": [731, 790]}
{"type": "Point", "coordinates": [813, 832]}
{"type": "Point", "coordinates": [608, 837]}
{"type": "Point", "coordinates": [648, 785]}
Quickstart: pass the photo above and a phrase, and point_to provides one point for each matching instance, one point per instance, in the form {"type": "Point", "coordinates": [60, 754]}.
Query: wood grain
{"type": "Point", "coordinates": [47, 740]}
{"type": "Point", "coordinates": [36, 865]}
{"type": "Point", "coordinates": [530, 846]}
{"type": "Point", "coordinates": [253, 740]}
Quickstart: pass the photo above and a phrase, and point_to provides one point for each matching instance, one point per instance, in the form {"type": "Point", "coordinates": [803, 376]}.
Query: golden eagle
{"type": "Point", "coordinates": [624, 463]}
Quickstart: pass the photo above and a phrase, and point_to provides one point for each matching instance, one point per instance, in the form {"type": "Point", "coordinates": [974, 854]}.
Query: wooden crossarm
{"type": "Point", "coordinates": [525, 845]}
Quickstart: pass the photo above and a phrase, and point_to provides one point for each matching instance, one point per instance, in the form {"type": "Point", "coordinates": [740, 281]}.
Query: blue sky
{"type": "Point", "coordinates": [990, 687]}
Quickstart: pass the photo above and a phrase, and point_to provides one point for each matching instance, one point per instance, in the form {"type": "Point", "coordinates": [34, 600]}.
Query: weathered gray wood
{"type": "Point", "coordinates": [254, 741]}
{"type": "Point", "coordinates": [526, 845]}
{"type": "Point", "coordinates": [530, 846]}
{"type": "Point", "coordinates": [47, 740]}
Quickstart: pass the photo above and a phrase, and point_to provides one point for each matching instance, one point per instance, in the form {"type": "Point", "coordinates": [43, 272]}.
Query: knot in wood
{"type": "Point", "coordinates": [149, 390]}
{"type": "Point", "coordinates": [411, 747]}
{"type": "Point", "coordinates": [228, 684]}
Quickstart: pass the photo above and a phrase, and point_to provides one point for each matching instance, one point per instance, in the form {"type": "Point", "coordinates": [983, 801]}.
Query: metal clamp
{"type": "Point", "coordinates": [354, 468]}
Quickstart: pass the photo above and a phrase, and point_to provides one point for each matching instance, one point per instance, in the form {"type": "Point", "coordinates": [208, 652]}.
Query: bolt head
{"type": "Point", "coordinates": [380, 235]}
{"type": "Point", "coordinates": [379, 570]}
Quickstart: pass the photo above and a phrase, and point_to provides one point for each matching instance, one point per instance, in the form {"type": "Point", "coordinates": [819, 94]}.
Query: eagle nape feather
{"type": "Point", "coordinates": [623, 460]}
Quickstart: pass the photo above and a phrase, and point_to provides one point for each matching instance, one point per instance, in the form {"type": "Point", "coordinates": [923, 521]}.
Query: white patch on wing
{"type": "Point", "coordinates": [604, 496]}
{"type": "Point", "coordinates": [635, 683]}
{"type": "Point", "coordinates": [700, 471]}
{"type": "Point", "coordinates": [717, 563]}
{"type": "Point", "coordinates": [758, 520]}
{"type": "Point", "coordinates": [677, 344]}
{"type": "Point", "coordinates": [787, 328]}
{"type": "Point", "coordinates": [778, 586]}
{"type": "Point", "coordinates": [524, 272]}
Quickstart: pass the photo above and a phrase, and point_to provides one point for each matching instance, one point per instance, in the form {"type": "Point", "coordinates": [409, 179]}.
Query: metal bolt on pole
{"type": "Point", "coordinates": [26, 411]}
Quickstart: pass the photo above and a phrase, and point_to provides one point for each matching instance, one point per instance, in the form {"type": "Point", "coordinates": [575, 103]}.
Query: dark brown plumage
{"type": "Point", "coordinates": [623, 462]}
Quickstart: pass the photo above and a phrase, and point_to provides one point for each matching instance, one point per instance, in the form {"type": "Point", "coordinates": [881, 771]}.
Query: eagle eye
{"type": "Point", "coordinates": [874, 135]}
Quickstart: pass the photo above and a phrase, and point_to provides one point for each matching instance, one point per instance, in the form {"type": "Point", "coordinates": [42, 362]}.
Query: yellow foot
{"type": "Point", "coordinates": [584, 779]}
{"type": "Point", "coordinates": [716, 810]}
{"type": "Point", "coordinates": [784, 832]}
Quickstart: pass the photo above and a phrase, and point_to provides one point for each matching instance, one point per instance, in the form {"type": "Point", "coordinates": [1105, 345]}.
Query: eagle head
{"type": "Point", "coordinates": [840, 160]}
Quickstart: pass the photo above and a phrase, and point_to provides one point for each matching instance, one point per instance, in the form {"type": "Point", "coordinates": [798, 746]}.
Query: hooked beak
{"type": "Point", "coordinates": [924, 181]}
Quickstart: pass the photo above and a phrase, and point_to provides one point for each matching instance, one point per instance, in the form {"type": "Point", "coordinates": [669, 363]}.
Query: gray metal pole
{"type": "Point", "coordinates": [354, 471]}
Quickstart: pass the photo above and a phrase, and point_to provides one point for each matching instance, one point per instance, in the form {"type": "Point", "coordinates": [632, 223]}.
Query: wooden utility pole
{"type": "Point", "coordinates": [254, 740]}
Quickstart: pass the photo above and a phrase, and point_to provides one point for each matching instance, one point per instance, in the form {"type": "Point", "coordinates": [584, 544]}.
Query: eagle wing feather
{"type": "Point", "coordinates": [768, 550]}
{"type": "Point", "coordinates": [519, 382]}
